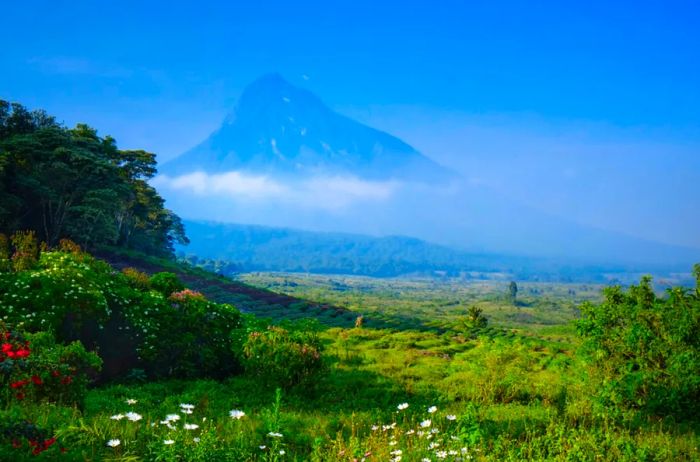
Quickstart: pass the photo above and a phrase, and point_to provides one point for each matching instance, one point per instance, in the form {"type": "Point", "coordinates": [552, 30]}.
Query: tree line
{"type": "Point", "coordinates": [71, 183]}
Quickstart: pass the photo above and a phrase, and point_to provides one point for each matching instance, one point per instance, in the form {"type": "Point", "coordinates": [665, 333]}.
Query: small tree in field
{"type": "Point", "coordinates": [512, 291]}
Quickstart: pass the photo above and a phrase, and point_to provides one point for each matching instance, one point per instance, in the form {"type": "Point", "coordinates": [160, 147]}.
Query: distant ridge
{"type": "Point", "coordinates": [281, 129]}
{"type": "Point", "coordinates": [263, 248]}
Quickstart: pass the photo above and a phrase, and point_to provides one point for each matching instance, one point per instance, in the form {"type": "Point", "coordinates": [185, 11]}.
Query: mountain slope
{"type": "Point", "coordinates": [282, 129]}
{"type": "Point", "coordinates": [261, 248]}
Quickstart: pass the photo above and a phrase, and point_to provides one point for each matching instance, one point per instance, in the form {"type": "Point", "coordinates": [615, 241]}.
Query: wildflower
{"type": "Point", "coordinates": [186, 408]}
{"type": "Point", "coordinates": [275, 434]}
{"type": "Point", "coordinates": [133, 416]}
{"type": "Point", "coordinates": [452, 452]}
{"type": "Point", "coordinates": [432, 409]}
{"type": "Point", "coordinates": [172, 417]}
{"type": "Point", "coordinates": [117, 417]}
{"type": "Point", "coordinates": [236, 414]}
{"type": "Point", "coordinates": [131, 401]}
{"type": "Point", "coordinates": [441, 454]}
{"type": "Point", "coordinates": [410, 432]}
{"type": "Point", "coordinates": [282, 452]}
{"type": "Point", "coordinates": [434, 445]}
{"type": "Point", "coordinates": [374, 428]}
{"type": "Point", "coordinates": [392, 443]}
{"type": "Point", "coordinates": [402, 406]}
{"type": "Point", "coordinates": [196, 439]}
{"type": "Point", "coordinates": [425, 459]}
{"type": "Point", "coordinates": [113, 443]}
{"type": "Point", "coordinates": [426, 423]}
{"type": "Point", "coordinates": [168, 442]}
{"type": "Point", "coordinates": [451, 417]}
{"type": "Point", "coordinates": [190, 426]}
{"type": "Point", "coordinates": [262, 447]}
{"type": "Point", "coordinates": [396, 452]}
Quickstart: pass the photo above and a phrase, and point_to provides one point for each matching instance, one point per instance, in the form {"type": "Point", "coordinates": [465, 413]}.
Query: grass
{"type": "Point", "coordinates": [517, 389]}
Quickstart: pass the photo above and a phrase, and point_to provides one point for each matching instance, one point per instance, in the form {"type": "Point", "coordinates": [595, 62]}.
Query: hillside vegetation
{"type": "Point", "coordinates": [149, 359]}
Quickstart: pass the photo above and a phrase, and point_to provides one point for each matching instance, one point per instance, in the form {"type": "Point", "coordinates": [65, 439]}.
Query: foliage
{"type": "Point", "coordinates": [475, 318]}
{"type": "Point", "coordinates": [646, 348]}
{"type": "Point", "coordinates": [512, 291]}
{"type": "Point", "coordinates": [192, 338]}
{"type": "Point", "coordinates": [283, 357]}
{"type": "Point", "coordinates": [72, 183]}
{"type": "Point", "coordinates": [166, 283]}
{"type": "Point", "coordinates": [137, 279]}
{"type": "Point", "coordinates": [35, 368]}
{"type": "Point", "coordinates": [26, 251]}
{"type": "Point", "coordinates": [80, 298]}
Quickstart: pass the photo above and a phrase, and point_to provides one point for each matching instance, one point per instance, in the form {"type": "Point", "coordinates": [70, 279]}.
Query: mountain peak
{"type": "Point", "coordinates": [279, 128]}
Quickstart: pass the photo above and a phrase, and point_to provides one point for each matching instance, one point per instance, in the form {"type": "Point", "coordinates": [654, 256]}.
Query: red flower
{"type": "Point", "coordinates": [55, 373]}
{"type": "Point", "coordinates": [66, 380]}
{"type": "Point", "coordinates": [6, 347]}
{"type": "Point", "coordinates": [23, 353]}
{"type": "Point", "coordinates": [37, 380]}
{"type": "Point", "coordinates": [19, 383]}
{"type": "Point", "coordinates": [49, 442]}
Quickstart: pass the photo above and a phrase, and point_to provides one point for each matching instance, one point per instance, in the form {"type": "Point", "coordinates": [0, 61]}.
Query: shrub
{"type": "Point", "coordinates": [166, 283]}
{"type": "Point", "coordinates": [5, 261]}
{"type": "Point", "coordinates": [188, 337]}
{"type": "Point", "coordinates": [35, 368]}
{"type": "Point", "coordinates": [23, 440]}
{"type": "Point", "coordinates": [281, 357]}
{"type": "Point", "coordinates": [26, 252]}
{"type": "Point", "coordinates": [136, 278]}
{"type": "Point", "coordinates": [645, 348]}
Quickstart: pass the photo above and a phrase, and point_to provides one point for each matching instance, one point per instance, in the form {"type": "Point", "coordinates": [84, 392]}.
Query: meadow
{"type": "Point", "coordinates": [438, 380]}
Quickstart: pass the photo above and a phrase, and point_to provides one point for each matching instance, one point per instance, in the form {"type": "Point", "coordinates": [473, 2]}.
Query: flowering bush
{"type": "Point", "coordinates": [132, 325]}
{"type": "Point", "coordinates": [34, 368]}
{"type": "Point", "coordinates": [21, 436]}
{"type": "Point", "coordinates": [136, 278]}
{"type": "Point", "coordinates": [282, 357]}
{"type": "Point", "coordinates": [191, 337]}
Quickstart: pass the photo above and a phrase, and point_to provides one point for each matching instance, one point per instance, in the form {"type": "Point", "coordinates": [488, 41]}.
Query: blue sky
{"type": "Point", "coordinates": [593, 76]}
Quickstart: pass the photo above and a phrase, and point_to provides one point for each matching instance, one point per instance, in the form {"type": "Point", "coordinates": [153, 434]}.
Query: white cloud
{"type": "Point", "coordinates": [319, 192]}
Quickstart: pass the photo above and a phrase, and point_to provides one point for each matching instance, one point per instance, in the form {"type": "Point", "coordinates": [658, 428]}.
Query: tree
{"type": "Point", "coordinates": [475, 318]}
{"type": "Point", "coordinates": [512, 292]}
{"type": "Point", "coordinates": [72, 183]}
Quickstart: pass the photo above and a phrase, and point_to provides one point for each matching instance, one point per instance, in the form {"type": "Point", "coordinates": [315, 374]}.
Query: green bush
{"type": "Point", "coordinates": [26, 250]}
{"type": "Point", "coordinates": [33, 367]}
{"type": "Point", "coordinates": [166, 283]}
{"type": "Point", "coordinates": [189, 337]}
{"type": "Point", "coordinates": [80, 298]}
{"type": "Point", "coordinates": [645, 349]}
{"type": "Point", "coordinates": [137, 279]}
{"type": "Point", "coordinates": [281, 357]}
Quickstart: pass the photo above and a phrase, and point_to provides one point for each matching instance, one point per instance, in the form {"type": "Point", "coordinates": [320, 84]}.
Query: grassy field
{"type": "Point", "coordinates": [413, 383]}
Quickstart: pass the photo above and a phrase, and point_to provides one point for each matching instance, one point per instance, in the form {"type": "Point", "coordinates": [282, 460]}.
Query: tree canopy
{"type": "Point", "coordinates": [71, 183]}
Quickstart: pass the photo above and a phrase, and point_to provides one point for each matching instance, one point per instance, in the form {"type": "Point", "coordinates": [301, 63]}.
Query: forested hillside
{"type": "Point", "coordinates": [72, 183]}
